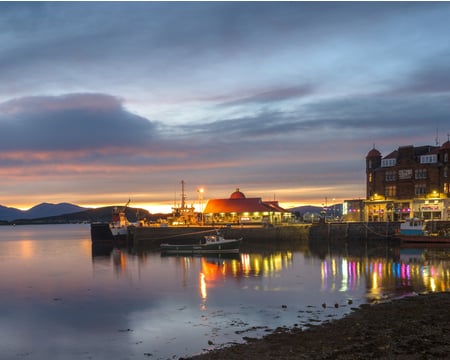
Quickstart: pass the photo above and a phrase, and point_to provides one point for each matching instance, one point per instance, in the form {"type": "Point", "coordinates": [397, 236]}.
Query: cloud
{"type": "Point", "coordinates": [430, 76]}
{"type": "Point", "coordinates": [248, 95]}
{"type": "Point", "coordinates": [275, 95]}
{"type": "Point", "coordinates": [71, 122]}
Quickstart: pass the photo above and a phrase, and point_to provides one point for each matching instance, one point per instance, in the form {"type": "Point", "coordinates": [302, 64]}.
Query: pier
{"type": "Point", "coordinates": [337, 234]}
{"type": "Point", "coordinates": [152, 237]}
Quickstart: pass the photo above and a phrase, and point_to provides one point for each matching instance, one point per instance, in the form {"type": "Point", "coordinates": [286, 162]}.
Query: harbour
{"type": "Point", "coordinates": [152, 237]}
{"type": "Point", "coordinates": [128, 302]}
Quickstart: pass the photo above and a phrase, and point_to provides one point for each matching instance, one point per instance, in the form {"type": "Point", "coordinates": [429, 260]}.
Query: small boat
{"type": "Point", "coordinates": [414, 231]}
{"type": "Point", "coordinates": [214, 244]}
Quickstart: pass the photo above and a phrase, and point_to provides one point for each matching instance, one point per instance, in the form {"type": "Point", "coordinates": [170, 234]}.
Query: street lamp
{"type": "Point", "coordinates": [200, 199]}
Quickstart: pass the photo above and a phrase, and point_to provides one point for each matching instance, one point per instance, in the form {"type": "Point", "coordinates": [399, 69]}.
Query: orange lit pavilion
{"type": "Point", "coordinates": [239, 209]}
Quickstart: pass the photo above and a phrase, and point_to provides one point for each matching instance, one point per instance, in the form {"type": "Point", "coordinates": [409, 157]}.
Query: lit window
{"type": "Point", "coordinates": [390, 190]}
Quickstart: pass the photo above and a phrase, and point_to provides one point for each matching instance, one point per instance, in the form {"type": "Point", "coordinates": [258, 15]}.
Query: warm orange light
{"type": "Point", "coordinates": [203, 291]}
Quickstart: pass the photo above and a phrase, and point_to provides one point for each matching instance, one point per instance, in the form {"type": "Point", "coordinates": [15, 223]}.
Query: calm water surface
{"type": "Point", "coordinates": [59, 300]}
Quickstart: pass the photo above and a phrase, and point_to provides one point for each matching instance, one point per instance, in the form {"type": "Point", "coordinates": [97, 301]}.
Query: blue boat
{"type": "Point", "coordinates": [414, 231]}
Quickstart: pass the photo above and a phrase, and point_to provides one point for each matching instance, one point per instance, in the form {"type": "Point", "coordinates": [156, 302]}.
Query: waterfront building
{"type": "Point", "coordinates": [353, 210]}
{"type": "Point", "coordinates": [238, 209]}
{"type": "Point", "coordinates": [408, 182]}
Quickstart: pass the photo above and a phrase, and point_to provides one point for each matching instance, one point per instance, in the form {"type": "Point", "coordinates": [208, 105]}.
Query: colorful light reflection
{"type": "Point", "coordinates": [381, 274]}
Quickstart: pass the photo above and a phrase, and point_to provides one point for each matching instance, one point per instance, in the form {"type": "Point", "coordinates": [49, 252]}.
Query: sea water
{"type": "Point", "coordinates": [62, 300]}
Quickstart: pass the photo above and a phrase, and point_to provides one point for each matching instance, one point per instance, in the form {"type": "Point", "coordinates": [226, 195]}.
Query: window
{"type": "Point", "coordinates": [390, 190]}
{"type": "Point", "coordinates": [446, 172]}
{"type": "Point", "coordinates": [390, 176]}
{"type": "Point", "coordinates": [370, 177]}
{"type": "Point", "coordinates": [405, 174]}
{"type": "Point", "coordinates": [420, 189]}
{"type": "Point", "coordinates": [388, 162]}
{"type": "Point", "coordinates": [421, 173]}
{"type": "Point", "coordinates": [428, 159]}
{"type": "Point", "coordinates": [446, 157]}
{"type": "Point", "coordinates": [446, 188]}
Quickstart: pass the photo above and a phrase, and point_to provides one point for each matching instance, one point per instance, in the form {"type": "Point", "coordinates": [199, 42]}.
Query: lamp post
{"type": "Point", "coordinates": [200, 199]}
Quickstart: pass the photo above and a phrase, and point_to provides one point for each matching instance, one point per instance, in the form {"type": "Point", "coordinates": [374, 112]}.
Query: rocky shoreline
{"type": "Point", "coordinates": [415, 327]}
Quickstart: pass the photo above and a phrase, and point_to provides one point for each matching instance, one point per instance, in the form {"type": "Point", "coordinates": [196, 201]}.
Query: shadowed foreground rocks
{"type": "Point", "coordinates": [416, 327]}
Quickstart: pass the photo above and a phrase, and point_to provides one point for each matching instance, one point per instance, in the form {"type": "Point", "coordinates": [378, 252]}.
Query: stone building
{"type": "Point", "coordinates": [239, 209]}
{"type": "Point", "coordinates": [408, 182]}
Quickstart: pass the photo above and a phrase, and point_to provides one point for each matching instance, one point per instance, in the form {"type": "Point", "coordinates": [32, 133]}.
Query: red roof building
{"type": "Point", "coordinates": [239, 209]}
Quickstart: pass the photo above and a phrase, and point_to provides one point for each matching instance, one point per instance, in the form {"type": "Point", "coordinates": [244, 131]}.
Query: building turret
{"type": "Point", "coordinates": [373, 162]}
{"type": "Point", "coordinates": [444, 155]}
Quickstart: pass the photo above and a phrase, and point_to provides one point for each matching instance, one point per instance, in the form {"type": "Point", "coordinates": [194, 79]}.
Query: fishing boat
{"type": "Point", "coordinates": [120, 223]}
{"type": "Point", "coordinates": [115, 232]}
{"type": "Point", "coordinates": [214, 244]}
{"type": "Point", "coordinates": [415, 231]}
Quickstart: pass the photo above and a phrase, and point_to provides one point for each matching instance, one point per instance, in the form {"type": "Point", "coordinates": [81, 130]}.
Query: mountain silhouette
{"type": "Point", "coordinates": [38, 211]}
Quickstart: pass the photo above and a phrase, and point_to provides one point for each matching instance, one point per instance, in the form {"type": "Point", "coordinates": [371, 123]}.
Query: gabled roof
{"type": "Point", "coordinates": [445, 145]}
{"type": "Point", "coordinates": [216, 206]}
{"type": "Point", "coordinates": [392, 155]}
{"type": "Point", "coordinates": [273, 205]}
{"type": "Point", "coordinates": [426, 150]}
{"type": "Point", "coordinates": [235, 205]}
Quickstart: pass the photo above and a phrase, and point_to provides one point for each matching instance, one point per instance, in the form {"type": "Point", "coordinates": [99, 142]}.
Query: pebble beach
{"type": "Point", "coordinates": [413, 327]}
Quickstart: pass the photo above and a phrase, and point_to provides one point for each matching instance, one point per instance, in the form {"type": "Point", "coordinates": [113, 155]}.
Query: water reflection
{"type": "Point", "coordinates": [136, 303]}
{"type": "Point", "coordinates": [403, 272]}
{"type": "Point", "coordinates": [410, 271]}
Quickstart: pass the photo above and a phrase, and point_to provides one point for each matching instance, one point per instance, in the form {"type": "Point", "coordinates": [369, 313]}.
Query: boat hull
{"type": "Point", "coordinates": [227, 246]}
{"type": "Point", "coordinates": [424, 239]}
{"type": "Point", "coordinates": [102, 234]}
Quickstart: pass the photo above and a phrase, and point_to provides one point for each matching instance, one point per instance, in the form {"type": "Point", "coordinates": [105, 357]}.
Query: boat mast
{"type": "Point", "coordinates": [183, 196]}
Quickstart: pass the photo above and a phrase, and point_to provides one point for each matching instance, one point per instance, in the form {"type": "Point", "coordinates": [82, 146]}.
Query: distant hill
{"type": "Point", "coordinates": [38, 211]}
{"type": "Point", "coordinates": [333, 211]}
{"type": "Point", "coordinates": [307, 209]}
{"type": "Point", "coordinates": [8, 213]}
{"type": "Point", "coordinates": [103, 214]}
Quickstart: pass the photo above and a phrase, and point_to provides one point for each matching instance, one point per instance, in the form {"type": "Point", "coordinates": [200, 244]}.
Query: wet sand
{"type": "Point", "coordinates": [416, 327]}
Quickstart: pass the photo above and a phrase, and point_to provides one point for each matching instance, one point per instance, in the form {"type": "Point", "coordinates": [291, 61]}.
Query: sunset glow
{"type": "Point", "coordinates": [282, 100]}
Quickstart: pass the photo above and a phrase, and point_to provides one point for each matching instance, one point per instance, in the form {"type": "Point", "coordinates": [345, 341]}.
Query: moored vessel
{"type": "Point", "coordinates": [209, 244]}
{"type": "Point", "coordinates": [416, 231]}
{"type": "Point", "coordinates": [116, 232]}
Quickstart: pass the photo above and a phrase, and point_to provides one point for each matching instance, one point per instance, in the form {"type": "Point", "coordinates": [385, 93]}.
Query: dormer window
{"type": "Point", "coordinates": [388, 162]}
{"type": "Point", "coordinates": [428, 159]}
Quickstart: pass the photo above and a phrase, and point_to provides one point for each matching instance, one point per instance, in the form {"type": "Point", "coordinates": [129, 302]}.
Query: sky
{"type": "Point", "coordinates": [101, 102]}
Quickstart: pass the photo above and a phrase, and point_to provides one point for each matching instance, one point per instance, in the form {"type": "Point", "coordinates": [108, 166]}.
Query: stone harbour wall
{"type": "Point", "coordinates": [337, 233]}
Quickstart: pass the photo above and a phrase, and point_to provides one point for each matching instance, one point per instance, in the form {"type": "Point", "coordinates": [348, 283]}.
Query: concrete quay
{"type": "Point", "coordinates": [375, 231]}
{"type": "Point", "coordinates": [152, 237]}
{"type": "Point", "coordinates": [339, 234]}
